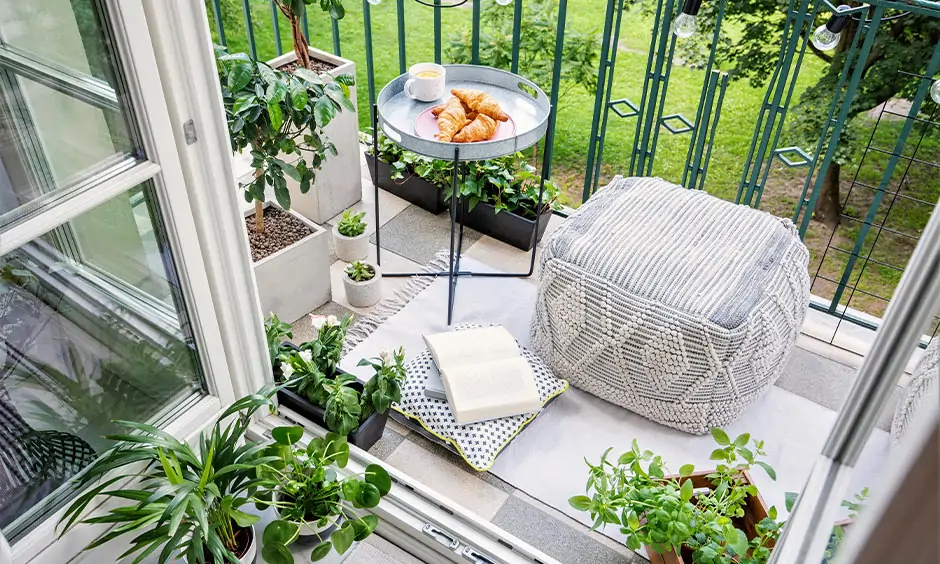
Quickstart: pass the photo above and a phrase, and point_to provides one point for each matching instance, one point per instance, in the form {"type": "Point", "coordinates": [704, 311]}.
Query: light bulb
{"type": "Point", "coordinates": [504, 2]}
{"type": "Point", "coordinates": [375, 2]}
{"type": "Point", "coordinates": [825, 40]}
{"type": "Point", "coordinates": [935, 91]}
{"type": "Point", "coordinates": [684, 25]}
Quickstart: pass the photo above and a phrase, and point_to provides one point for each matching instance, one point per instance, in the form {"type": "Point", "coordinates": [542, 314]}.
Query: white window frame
{"type": "Point", "coordinates": [209, 252]}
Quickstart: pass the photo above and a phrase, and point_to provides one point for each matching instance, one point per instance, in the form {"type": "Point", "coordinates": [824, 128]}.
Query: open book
{"type": "Point", "coordinates": [485, 376]}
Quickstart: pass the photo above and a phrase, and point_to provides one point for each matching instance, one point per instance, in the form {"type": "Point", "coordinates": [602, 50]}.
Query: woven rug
{"type": "Point", "coordinates": [546, 460]}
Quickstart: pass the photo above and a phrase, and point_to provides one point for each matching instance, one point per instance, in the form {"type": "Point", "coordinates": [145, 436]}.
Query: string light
{"type": "Point", "coordinates": [827, 36]}
{"type": "Point", "coordinates": [685, 24]}
{"type": "Point", "coordinates": [935, 91]}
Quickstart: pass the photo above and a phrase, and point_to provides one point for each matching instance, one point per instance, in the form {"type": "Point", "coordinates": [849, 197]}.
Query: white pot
{"type": "Point", "coordinates": [338, 184]}
{"type": "Point", "coordinates": [252, 552]}
{"type": "Point", "coordinates": [349, 249]}
{"type": "Point", "coordinates": [363, 294]}
{"type": "Point", "coordinates": [295, 280]}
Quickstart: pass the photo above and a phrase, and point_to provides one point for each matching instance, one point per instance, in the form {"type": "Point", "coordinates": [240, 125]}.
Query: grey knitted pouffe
{"type": "Point", "coordinates": [922, 388]}
{"type": "Point", "coordinates": [669, 302]}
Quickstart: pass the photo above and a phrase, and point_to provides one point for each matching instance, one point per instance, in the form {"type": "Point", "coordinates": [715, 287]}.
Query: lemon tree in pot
{"type": "Point", "coordinates": [188, 501]}
{"type": "Point", "coordinates": [313, 499]}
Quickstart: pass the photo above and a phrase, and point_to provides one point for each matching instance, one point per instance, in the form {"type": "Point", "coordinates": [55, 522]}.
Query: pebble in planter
{"type": "Point", "coordinates": [349, 237]}
{"type": "Point", "coordinates": [362, 283]}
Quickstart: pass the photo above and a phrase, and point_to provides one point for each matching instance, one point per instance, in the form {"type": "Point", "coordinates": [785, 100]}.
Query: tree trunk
{"type": "Point", "coordinates": [301, 48]}
{"type": "Point", "coordinates": [828, 205]}
{"type": "Point", "coordinates": [259, 216]}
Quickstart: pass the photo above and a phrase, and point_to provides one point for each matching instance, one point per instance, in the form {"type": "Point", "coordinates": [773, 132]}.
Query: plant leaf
{"type": "Point", "coordinates": [274, 553]}
{"type": "Point", "coordinates": [686, 470]}
{"type": "Point", "coordinates": [239, 76]}
{"type": "Point", "coordinates": [742, 439]}
{"type": "Point", "coordinates": [685, 493]}
{"type": "Point", "coordinates": [343, 537]}
{"type": "Point", "coordinates": [720, 436]}
{"type": "Point", "coordinates": [287, 435]}
{"type": "Point", "coordinates": [767, 468]}
{"type": "Point", "coordinates": [279, 532]}
{"type": "Point", "coordinates": [580, 502]}
{"type": "Point", "coordinates": [275, 115]}
{"type": "Point", "coordinates": [321, 551]}
{"type": "Point", "coordinates": [378, 477]}
{"type": "Point", "coordinates": [789, 500]}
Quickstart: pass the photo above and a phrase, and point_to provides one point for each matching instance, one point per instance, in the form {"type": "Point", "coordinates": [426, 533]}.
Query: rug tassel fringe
{"type": "Point", "coordinates": [367, 324]}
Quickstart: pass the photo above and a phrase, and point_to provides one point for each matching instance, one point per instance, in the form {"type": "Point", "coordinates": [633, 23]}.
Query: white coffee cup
{"type": "Point", "coordinates": [425, 82]}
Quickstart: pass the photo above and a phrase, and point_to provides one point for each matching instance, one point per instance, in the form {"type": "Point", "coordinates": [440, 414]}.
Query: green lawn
{"type": "Point", "coordinates": [738, 116]}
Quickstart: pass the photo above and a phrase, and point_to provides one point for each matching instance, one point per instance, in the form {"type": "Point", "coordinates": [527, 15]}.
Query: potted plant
{"type": "Point", "coordinates": [334, 189]}
{"type": "Point", "coordinates": [188, 501]}
{"type": "Point", "coordinates": [281, 117]}
{"type": "Point", "coordinates": [410, 176]}
{"type": "Point", "coordinates": [692, 517]}
{"type": "Point", "coordinates": [312, 499]}
{"type": "Point", "coordinates": [362, 283]}
{"type": "Point", "coordinates": [316, 388]}
{"type": "Point", "coordinates": [349, 236]}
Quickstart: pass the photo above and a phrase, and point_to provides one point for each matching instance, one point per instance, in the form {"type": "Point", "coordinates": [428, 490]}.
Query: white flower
{"type": "Point", "coordinates": [286, 369]}
{"type": "Point", "coordinates": [317, 321]}
{"type": "Point", "coordinates": [331, 321]}
{"type": "Point", "coordinates": [387, 358]}
{"type": "Point", "coordinates": [307, 355]}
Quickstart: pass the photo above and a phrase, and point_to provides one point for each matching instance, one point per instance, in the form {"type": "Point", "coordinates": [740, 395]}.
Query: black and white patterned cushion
{"type": "Point", "coordinates": [478, 443]}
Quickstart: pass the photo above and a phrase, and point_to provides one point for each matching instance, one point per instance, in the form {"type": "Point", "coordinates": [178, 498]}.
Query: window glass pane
{"type": "Point", "coordinates": [63, 113]}
{"type": "Point", "coordinates": [92, 329]}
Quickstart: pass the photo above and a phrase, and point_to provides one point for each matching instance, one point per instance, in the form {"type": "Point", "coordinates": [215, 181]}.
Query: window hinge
{"type": "Point", "coordinates": [189, 130]}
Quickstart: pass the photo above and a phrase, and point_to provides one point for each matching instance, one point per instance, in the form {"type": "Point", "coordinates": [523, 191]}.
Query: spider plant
{"type": "Point", "coordinates": [187, 502]}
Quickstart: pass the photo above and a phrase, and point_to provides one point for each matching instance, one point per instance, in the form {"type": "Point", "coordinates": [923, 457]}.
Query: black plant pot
{"type": "Point", "coordinates": [366, 435]}
{"type": "Point", "coordinates": [506, 226]}
{"type": "Point", "coordinates": [412, 188]}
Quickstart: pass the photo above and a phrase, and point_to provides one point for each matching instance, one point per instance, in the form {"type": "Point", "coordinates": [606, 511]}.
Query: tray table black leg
{"type": "Point", "coordinates": [454, 198]}
{"type": "Point", "coordinates": [375, 182]}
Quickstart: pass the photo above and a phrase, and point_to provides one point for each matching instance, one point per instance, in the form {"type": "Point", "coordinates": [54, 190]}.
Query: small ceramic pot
{"type": "Point", "coordinates": [252, 552]}
{"type": "Point", "coordinates": [349, 249]}
{"type": "Point", "coordinates": [366, 293]}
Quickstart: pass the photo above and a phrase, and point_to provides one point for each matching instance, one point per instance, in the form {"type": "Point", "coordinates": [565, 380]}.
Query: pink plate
{"type": "Point", "coordinates": [426, 127]}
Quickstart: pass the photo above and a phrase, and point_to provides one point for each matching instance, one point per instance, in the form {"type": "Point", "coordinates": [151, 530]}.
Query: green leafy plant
{"type": "Point", "coordinates": [360, 271]}
{"type": "Point", "coordinates": [188, 502]}
{"type": "Point", "coordinates": [667, 513]}
{"type": "Point", "coordinates": [309, 366]}
{"type": "Point", "coordinates": [276, 332]}
{"type": "Point", "coordinates": [307, 489]}
{"type": "Point", "coordinates": [294, 11]}
{"type": "Point", "coordinates": [279, 115]}
{"type": "Point", "coordinates": [384, 388]}
{"type": "Point", "coordinates": [507, 183]}
{"type": "Point", "coordinates": [351, 224]}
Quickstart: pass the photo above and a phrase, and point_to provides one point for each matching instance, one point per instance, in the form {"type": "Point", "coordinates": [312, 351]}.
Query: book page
{"type": "Point", "coordinates": [490, 390]}
{"type": "Point", "coordinates": [471, 347]}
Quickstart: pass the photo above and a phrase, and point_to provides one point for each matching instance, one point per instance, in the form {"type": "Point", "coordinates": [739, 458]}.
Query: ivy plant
{"type": "Point", "coordinates": [306, 488]}
{"type": "Point", "coordinates": [280, 117]}
{"type": "Point", "coordinates": [636, 494]}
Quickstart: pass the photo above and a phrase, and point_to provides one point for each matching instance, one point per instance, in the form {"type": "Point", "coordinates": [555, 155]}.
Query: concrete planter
{"type": "Point", "coordinates": [364, 294]}
{"type": "Point", "coordinates": [338, 184]}
{"type": "Point", "coordinates": [295, 280]}
{"type": "Point", "coordinates": [349, 249]}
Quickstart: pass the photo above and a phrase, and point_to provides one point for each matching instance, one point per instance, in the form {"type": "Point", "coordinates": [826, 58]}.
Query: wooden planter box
{"type": "Point", "coordinates": [505, 226]}
{"type": "Point", "coordinates": [412, 188]}
{"type": "Point", "coordinates": [754, 512]}
{"type": "Point", "coordinates": [369, 431]}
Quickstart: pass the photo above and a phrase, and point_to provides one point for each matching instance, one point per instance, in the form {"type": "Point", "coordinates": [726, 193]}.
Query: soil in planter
{"type": "Point", "coordinates": [281, 230]}
{"type": "Point", "coordinates": [315, 65]}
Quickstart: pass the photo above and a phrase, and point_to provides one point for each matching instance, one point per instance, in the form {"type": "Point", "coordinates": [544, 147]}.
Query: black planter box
{"type": "Point", "coordinates": [412, 188]}
{"type": "Point", "coordinates": [369, 431]}
{"type": "Point", "coordinates": [506, 226]}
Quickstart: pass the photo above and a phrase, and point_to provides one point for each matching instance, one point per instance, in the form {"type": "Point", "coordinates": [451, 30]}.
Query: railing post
{"type": "Point", "coordinates": [556, 80]}
{"type": "Point", "coordinates": [219, 26]}
{"type": "Point", "coordinates": [602, 73]}
{"type": "Point", "coordinates": [249, 29]}
{"type": "Point", "coordinates": [402, 60]}
{"type": "Point", "coordinates": [516, 35]}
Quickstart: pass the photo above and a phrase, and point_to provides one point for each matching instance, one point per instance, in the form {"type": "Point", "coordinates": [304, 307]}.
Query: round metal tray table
{"type": "Point", "coordinates": [519, 97]}
{"type": "Point", "coordinates": [395, 114]}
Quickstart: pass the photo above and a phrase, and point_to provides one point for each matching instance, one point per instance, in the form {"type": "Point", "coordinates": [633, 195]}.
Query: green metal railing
{"type": "Point", "coordinates": [767, 146]}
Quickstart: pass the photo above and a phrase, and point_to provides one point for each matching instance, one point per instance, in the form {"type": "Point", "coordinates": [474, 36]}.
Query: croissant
{"type": "Point", "coordinates": [451, 119]}
{"type": "Point", "coordinates": [480, 129]}
{"type": "Point", "coordinates": [481, 102]}
{"type": "Point", "coordinates": [436, 111]}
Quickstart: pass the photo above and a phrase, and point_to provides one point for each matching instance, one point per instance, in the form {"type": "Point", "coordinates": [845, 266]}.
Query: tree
{"type": "Point", "coordinates": [294, 10]}
{"type": "Point", "coordinates": [904, 43]}
{"type": "Point", "coordinates": [278, 114]}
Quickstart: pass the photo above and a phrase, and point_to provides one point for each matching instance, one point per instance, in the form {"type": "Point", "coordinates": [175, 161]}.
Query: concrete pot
{"type": "Point", "coordinates": [295, 280]}
{"type": "Point", "coordinates": [349, 249]}
{"type": "Point", "coordinates": [363, 294]}
{"type": "Point", "coordinates": [339, 183]}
